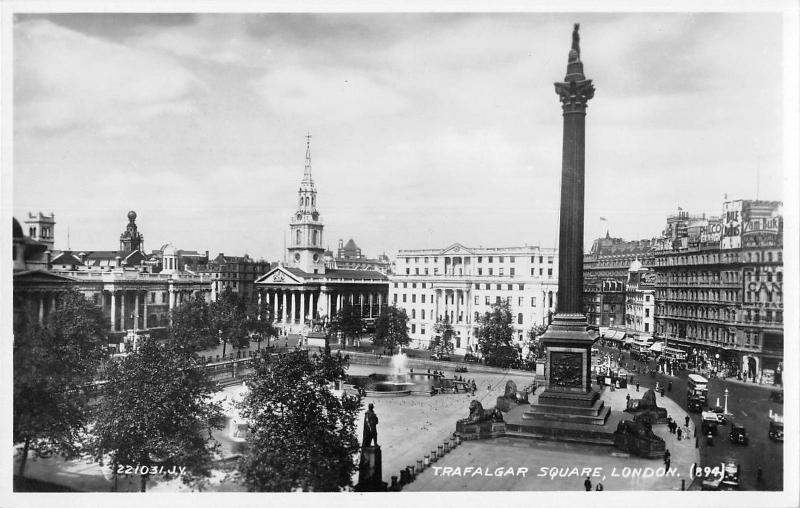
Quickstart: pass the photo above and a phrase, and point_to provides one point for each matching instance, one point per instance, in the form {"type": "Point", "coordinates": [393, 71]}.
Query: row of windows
{"type": "Point", "coordinates": [714, 258]}
{"type": "Point", "coordinates": [489, 259]}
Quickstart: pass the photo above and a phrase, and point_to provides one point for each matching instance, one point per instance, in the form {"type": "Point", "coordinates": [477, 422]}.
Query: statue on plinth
{"type": "Point", "coordinates": [511, 397]}
{"type": "Point", "coordinates": [370, 427]}
{"type": "Point", "coordinates": [478, 415]}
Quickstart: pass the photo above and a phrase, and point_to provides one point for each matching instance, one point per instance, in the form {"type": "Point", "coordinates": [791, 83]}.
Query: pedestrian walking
{"type": "Point", "coordinates": [680, 432]}
{"type": "Point", "coordinates": [599, 487]}
{"type": "Point", "coordinates": [637, 386]}
{"type": "Point", "coordinates": [687, 421]}
{"type": "Point", "coordinates": [587, 484]}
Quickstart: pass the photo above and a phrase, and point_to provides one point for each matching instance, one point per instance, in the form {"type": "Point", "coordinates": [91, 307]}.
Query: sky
{"type": "Point", "coordinates": [426, 129]}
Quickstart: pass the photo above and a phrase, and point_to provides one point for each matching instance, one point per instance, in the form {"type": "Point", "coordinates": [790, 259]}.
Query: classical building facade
{"type": "Point", "coordinates": [306, 292]}
{"type": "Point", "coordinates": [719, 288]}
{"type": "Point", "coordinates": [133, 291]}
{"type": "Point", "coordinates": [35, 289]}
{"type": "Point", "coordinates": [462, 283]}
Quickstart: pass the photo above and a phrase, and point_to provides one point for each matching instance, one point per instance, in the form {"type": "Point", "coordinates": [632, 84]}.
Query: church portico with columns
{"type": "Point", "coordinates": [304, 293]}
{"type": "Point", "coordinates": [300, 300]}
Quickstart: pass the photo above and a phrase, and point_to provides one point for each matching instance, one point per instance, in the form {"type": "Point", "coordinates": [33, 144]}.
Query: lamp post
{"type": "Point", "coordinates": [726, 401]}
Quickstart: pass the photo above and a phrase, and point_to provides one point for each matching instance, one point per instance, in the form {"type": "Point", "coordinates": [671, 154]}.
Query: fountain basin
{"type": "Point", "coordinates": [398, 385]}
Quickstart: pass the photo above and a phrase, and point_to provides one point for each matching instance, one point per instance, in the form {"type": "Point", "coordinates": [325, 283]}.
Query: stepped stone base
{"type": "Point", "coordinates": [568, 407]}
{"type": "Point", "coordinates": [519, 423]}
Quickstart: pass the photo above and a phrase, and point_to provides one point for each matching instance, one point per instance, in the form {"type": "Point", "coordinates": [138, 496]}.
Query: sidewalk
{"type": "Point", "coordinates": [562, 466]}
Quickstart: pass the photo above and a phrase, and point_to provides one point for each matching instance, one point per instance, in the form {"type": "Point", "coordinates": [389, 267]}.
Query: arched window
{"type": "Point", "coordinates": [298, 235]}
{"type": "Point", "coordinates": [307, 201]}
{"type": "Point", "coordinates": [314, 237]}
{"type": "Point", "coordinates": [313, 200]}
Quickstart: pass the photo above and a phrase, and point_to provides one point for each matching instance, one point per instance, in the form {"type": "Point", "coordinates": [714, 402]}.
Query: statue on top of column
{"type": "Point", "coordinates": [575, 52]}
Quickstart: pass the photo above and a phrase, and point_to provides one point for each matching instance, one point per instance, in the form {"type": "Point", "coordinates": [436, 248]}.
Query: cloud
{"type": "Point", "coordinates": [328, 95]}
{"type": "Point", "coordinates": [67, 80]}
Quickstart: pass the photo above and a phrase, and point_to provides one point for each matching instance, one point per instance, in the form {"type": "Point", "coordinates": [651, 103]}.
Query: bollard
{"type": "Point", "coordinates": [403, 477]}
{"type": "Point", "coordinates": [419, 466]}
{"type": "Point", "coordinates": [427, 460]}
{"type": "Point", "coordinates": [452, 443]}
{"type": "Point", "coordinates": [395, 486]}
{"type": "Point", "coordinates": [440, 450]}
{"type": "Point", "coordinates": [683, 484]}
{"type": "Point", "coordinates": [433, 456]}
{"type": "Point", "coordinates": [458, 439]}
{"type": "Point", "coordinates": [446, 446]}
{"type": "Point", "coordinates": [411, 473]}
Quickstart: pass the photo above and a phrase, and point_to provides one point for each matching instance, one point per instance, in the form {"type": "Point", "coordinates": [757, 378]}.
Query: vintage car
{"type": "Point", "coordinates": [776, 396]}
{"type": "Point", "coordinates": [776, 430]}
{"type": "Point", "coordinates": [694, 404]}
{"type": "Point", "coordinates": [738, 434]}
{"type": "Point", "coordinates": [728, 479]}
{"type": "Point", "coordinates": [720, 411]}
{"type": "Point", "coordinates": [709, 423]}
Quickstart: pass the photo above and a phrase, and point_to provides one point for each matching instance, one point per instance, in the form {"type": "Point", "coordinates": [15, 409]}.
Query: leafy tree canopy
{"type": "Point", "coordinates": [347, 321]}
{"type": "Point", "coordinates": [391, 329]}
{"type": "Point", "coordinates": [157, 409]}
{"type": "Point", "coordinates": [442, 342]}
{"type": "Point", "coordinates": [302, 436]}
{"type": "Point", "coordinates": [495, 335]}
{"type": "Point", "coordinates": [52, 362]}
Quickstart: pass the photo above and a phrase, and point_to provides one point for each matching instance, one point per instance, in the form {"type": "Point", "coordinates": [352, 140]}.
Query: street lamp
{"type": "Point", "coordinates": [726, 401]}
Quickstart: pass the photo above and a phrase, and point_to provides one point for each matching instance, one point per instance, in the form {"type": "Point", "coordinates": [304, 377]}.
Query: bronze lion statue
{"type": "Point", "coordinates": [477, 414]}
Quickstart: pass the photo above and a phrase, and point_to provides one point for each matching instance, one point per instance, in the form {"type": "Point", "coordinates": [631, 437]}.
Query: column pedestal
{"type": "Point", "coordinates": [370, 475]}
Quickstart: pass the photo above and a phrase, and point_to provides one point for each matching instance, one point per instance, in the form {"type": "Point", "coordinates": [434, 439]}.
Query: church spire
{"type": "Point", "coordinates": [307, 174]}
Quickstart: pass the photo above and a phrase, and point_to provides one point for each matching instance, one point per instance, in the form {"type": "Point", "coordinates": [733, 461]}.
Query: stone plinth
{"type": "Point", "coordinates": [370, 475]}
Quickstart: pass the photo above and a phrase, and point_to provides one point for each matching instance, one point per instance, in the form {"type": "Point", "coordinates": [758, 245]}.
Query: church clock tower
{"type": "Point", "coordinates": [305, 243]}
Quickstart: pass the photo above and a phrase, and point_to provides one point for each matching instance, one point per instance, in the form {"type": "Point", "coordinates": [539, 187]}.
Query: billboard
{"type": "Point", "coordinates": [731, 225]}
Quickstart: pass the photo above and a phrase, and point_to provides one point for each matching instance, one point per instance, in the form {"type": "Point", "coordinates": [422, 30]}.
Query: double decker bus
{"type": "Point", "coordinates": [697, 388]}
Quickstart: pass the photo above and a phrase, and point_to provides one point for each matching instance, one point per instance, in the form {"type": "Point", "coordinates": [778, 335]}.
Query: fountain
{"type": "Point", "coordinates": [399, 382]}
{"type": "Point", "coordinates": [399, 363]}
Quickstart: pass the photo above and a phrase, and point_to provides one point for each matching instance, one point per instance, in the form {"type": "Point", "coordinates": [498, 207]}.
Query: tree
{"type": "Point", "coordinates": [443, 340]}
{"type": "Point", "coordinates": [301, 435]}
{"type": "Point", "coordinates": [52, 363]}
{"type": "Point", "coordinates": [391, 328]}
{"type": "Point", "coordinates": [533, 339]}
{"type": "Point", "coordinates": [260, 322]}
{"type": "Point", "coordinates": [191, 326]}
{"type": "Point", "coordinates": [495, 335]}
{"type": "Point", "coordinates": [228, 317]}
{"type": "Point", "coordinates": [348, 322]}
{"type": "Point", "coordinates": [157, 409]}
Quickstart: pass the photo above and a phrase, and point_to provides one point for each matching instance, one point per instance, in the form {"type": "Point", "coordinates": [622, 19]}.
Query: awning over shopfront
{"type": "Point", "coordinates": [615, 335]}
{"type": "Point", "coordinates": [657, 347]}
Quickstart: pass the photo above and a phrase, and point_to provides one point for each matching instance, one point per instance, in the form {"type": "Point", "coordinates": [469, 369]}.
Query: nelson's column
{"type": "Point", "coordinates": [568, 397]}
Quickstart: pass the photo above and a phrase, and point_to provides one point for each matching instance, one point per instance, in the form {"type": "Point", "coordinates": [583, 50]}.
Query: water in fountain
{"type": "Point", "coordinates": [398, 363]}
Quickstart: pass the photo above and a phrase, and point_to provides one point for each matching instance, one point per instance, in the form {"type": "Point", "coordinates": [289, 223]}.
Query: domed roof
{"type": "Point", "coordinates": [17, 229]}
{"type": "Point", "coordinates": [131, 216]}
{"type": "Point", "coordinates": [169, 250]}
